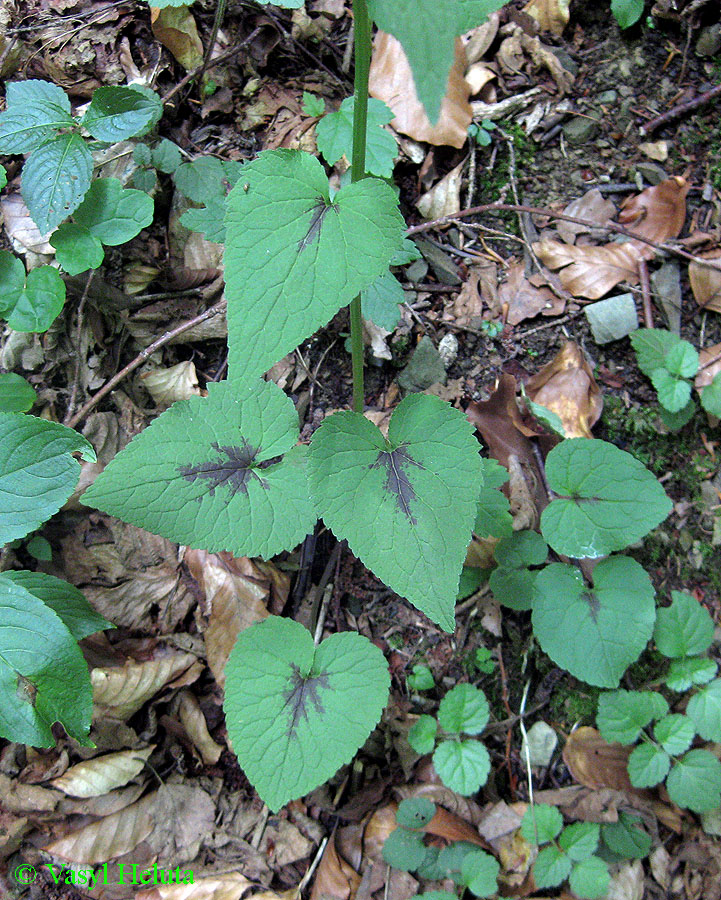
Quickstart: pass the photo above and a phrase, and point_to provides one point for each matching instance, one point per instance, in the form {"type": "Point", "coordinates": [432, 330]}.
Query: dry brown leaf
{"type": "Point", "coordinates": [595, 763]}
{"type": "Point", "coordinates": [444, 198]}
{"type": "Point", "coordinates": [451, 827]}
{"type": "Point", "coordinates": [97, 776]}
{"type": "Point", "coordinates": [167, 385]}
{"type": "Point", "coordinates": [335, 877]}
{"type": "Point", "coordinates": [283, 844]}
{"type": "Point", "coordinates": [467, 305]}
{"type": "Point", "coordinates": [567, 387]}
{"type": "Point", "coordinates": [102, 806]}
{"type": "Point", "coordinates": [709, 365]}
{"type": "Point", "coordinates": [183, 816]}
{"type": "Point", "coordinates": [16, 797]}
{"type": "Point", "coordinates": [627, 883]}
{"type": "Point", "coordinates": [479, 40]}
{"type": "Point", "coordinates": [391, 81]}
{"type": "Point", "coordinates": [192, 718]}
{"type": "Point", "coordinates": [544, 57]}
{"type": "Point", "coordinates": [551, 15]}
{"type": "Point", "coordinates": [524, 299]}
{"type": "Point", "coordinates": [21, 229]}
{"type": "Point", "coordinates": [478, 76]}
{"type": "Point", "coordinates": [174, 27]}
{"type": "Point", "coordinates": [706, 281]}
{"type": "Point", "coordinates": [13, 829]}
{"type": "Point", "coordinates": [230, 886]}
{"type": "Point", "coordinates": [591, 206]}
{"type": "Point", "coordinates": [657, 214]}
{"type": "Point", "coordinates": [589, 271]}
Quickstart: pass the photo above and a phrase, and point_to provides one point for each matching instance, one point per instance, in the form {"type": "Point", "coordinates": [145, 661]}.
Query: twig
{"type": "Point", "coordinates": [645, 293]}
{"type": "Point", "coordinates": [681, 109]}
{"type": "Point", "coordinates": [217, 21]}
{"type": "Point", "coordinates": [78, 354]}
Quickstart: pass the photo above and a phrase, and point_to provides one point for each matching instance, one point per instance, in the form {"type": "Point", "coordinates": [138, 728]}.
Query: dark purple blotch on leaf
{"type": "Point", "coordinates": [319, 212]}
{"type": "Point", "coordinates": [397, 481]}
{"type": "Point", "coordinates": [233, 468]}
{"type": "Point", "coordinates": [302, 692]}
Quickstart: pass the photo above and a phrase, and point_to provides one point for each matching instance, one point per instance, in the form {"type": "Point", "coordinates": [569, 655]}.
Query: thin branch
{"type": "Point", "coordinates": [681, 109]}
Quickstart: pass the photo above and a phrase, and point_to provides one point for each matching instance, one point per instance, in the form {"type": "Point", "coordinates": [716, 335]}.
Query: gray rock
{"type": "Point", "coordinates": [424, 368]}
{"type": "Point", "coordinates": [612, 319]}
{"type": "Point", "coordinates": [445, 270]}
{"type": "Point", "coordinates": [651, 171]}
{"type": "Point", "coordinates": [709, 41]}
{"type": "Point", "coordinates": [579, 130]}
{"type": "Point", "coordinates": [607, 97]}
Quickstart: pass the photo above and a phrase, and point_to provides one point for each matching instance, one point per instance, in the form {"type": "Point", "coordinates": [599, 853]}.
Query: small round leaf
{"type": "Point", "coordinates": [551, 868]}
{"type": "Point", "coordinates": [647, 765]}
{"type": "Point", "coordinates": [674, 733]}
{"type": "Point", "coordinates": [415, 812]}
{"type": "Point", "coordinates": [541, 823]}
{"type": "Point", "coordinates": [590, 879]}
{"type": "Point", "coordinates": [464, 709]}
{"type": "Point", "coordinates": [695, 781]}
{"type": "Point", "coordinates": [422, 735]}
{"type": "Point", "coordinates": [463, 766]}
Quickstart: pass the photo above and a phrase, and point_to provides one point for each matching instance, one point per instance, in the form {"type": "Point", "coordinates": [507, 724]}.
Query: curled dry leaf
{"type": "Point", "coordinates": [593, 207]}
{"type": "Point", "coordinates": [478, 41]}
{"type": "Point", "coordinates": [627, 882]}
{"type": "Point", "coordinates": [444, 198]}
{"type": "Point", "coordinates": [566, 386]}
{"type": "Point", "coordinates": [706, 281]}
{"type": "Point", "coordinates": [16, 797]}
{"type": "Point", "coordinates": [336, 877]}
{"type": "Point", "coordinates": [589, 271]}
{"type": "Point", "coordinates": [167, 385]}
{"type": "Point", "coordinates": [524, 299]}
{"type": "Point", "coordinates": [709, 365]}
{"type": "Point", "coordinates": [551, 15]}
{"type": "Point", "coordinates": [595, 763]}
{"type": "Point", "coordinates": [102, 806]}
{"type": "Point", "coordinates": [230, 886]}
{"type": "Point", "coordinates": [193, 720]}
{"type": "Point", "coordinates": [391, 81]}
{"type": "Point", "coordinates": [174, 27]}
{"type": "Point", "coordinates": [95, 777]}
{"type": "Point", "coordinates": [467, 306]}
{"type": "Point", "coordinates": [657, 214]}
{"type": "Point", "coordinates": [21, 229]}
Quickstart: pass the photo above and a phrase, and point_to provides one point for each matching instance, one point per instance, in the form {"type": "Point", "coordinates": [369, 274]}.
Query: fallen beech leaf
{"type": "Point", "coordinates": [596, 764]}
{"type": "Point", "coordinates": [590, 271]}
{"type": "Point", "coordinates": [479, 40]}
{"type": "Point", "coordinates": [566, 386]}
{"type": "Point", "coordinates": [657, 214]}
{"type": "Point", "coordinates": [230, 886]}
{"type": "Point", "coordinates": [451, 827]}
{"type": "Point", "coordinates": [192, 719]}
{"type": "Point", "coordinates": [167, 385]}
{"type": "Point", "coordinates": [336, 877]}
{"type": "Point", "coordinates": [97, 776]}
{"type": "Point", "coordinates": [524, 299]}
{"type": "Point", "coordinates": [444, 198]}
{"type": "Point", "coordinates": [120, 691]}
{"type": "Point", "coordinates": [391, 81]}
{"type": "Point", "coordinates": [709, 365]}
{"type": "Point", "coordinates": [627, 883]}
{"type": "Point", "coordinates": [591, 206]}
{"type": "Point", "coordinates": [706, 282]}
{"type": "Point", "coordinates": [478, 76]}
{"type": "Point", "coordinates": [551, 15]}
{"type": "Point", "coordinates": [174, 27]}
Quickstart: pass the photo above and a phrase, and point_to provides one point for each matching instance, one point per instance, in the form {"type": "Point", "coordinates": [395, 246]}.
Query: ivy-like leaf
{"type": "Point", "coordinates": [37, 472]}
{"type": "Point", "coordinates": [695, 781]}
{"type": "Point", "coordinates": [308, 256]}
{"type": "Point", "coordinates": [673, 393]}
{"type": "Point", "coordinates": [463, 766]}
{"type": "Point", "coordinates": [76, 249]}
{"type": "Point", "coordinates": [55, 179]}
{"type": "Point", "coordinates": [114, 214]}
{"type": "Point", "coordinates": [704, 710]}
{"type": "Point", "coordinates": [622, 714]}
{"type": "Point", "coordinates": [117, 113]}
{"type": "Point", "coordinates": [648, 765]}
{"type": "Point", "coordinates": [684, 628]}
{"type": "Point", "coordinates": [205, 473]}
{"type": "Point", "coordinates": [512, 581]}
{"type": "Point", "coordinates": [406, 505]}
{"type": "Point", "coordinates": [608, 499]}
{"type": "Point", "coordinates": [479, 872]}
{"type": "Point", "coordinates": [594, 633]}
{"type": "Point", "coordinates": [295, 712]}
{"type": "Point", "coordinates": [334, 134]}
{"type": "Point", "coordinates": [16, 394]}
{"type": "Point", "coordinates": [464, 709]}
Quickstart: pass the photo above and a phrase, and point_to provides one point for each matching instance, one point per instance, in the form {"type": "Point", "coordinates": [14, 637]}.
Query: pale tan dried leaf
{"type": "Point", "coordinates": [26, 798]}
{"type": "Point", "coordinates": [627, 882]}
{"type": "Point", "coordinates": [137, 275]}
{"type": "Point", "coordinates": [544, 57]}
{"type": "Point", "coordinates": [175, 28]}
{"type": "Point", "coordinates": [510, 56]}
{"type": "Point", "coordinates": [193, 720]}
{"type": "Point", "coordinates": [479, 40]}
{"type": "Point", "coordinates": [595, 763]}
{"type": "Point", "coordinates": [44, 766]}
{"type": "Point", "coordinates": [13, 829]}
{"type": "Point", "coordinates": [375, 336]}
{"type": "Point", "coordinates": [108, 838]}
{"type": "Point", "coordinates": [121, 691]}
{"type": "Point", "coordinates": [551, 15]}
{"type": "Point", "coordinates": [590, 271]}
{"type": "Point", "coordinates": [591, 206]}
{"type": "Point", "coordinates": [165, 386]}
{"type": "Point", "coordinates": [444, 198]}
{"type": "Point", "coordinates": [336, 877]}
{"type": "Point", "coordinates": [21, 229]}
{"type": "Point", "coordinates": [478, 76]}
{"type": "Point", "coordinates": [283, 844]}
{"type": "Point", "coordinates": [97, 776]}
{"type": "Point", "coordinates": [230, 886]}
{"type": "Point", "coordinates": [102, 806]}
{"type": "Point", "coordinates": [391, 81]}
{"type": "Point", "coordinates": [183, 815]}
{"type": "Point", "coordinates": [657, 214]}
{"type": "Point", "coordinates": [524, 300]}
{"type": "Point", "coordinates": [467, 306]}
{"type": "Point", "coordinates": [660, 863]}
{"type": "Point", "coordinates": [706, 281]}
{"type": "Point", "coordinates": [709, 365]}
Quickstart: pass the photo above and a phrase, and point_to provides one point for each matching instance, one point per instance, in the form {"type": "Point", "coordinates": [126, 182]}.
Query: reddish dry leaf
{"type": "Point", "coordinates": [706, 281]}
{"type": "Point", "coordinates": [589, 271]}
{"type": "Point", "coordinates": [524, 299]}
{"type": "Point", "coordinates": [451, 827]}
{"type": "Point", "coordinates": [551, 15]}
{"type": "Point", "coordinates": [230, 886]}
{"type": "Point", "coordinates": [595, 763]}
{"type": "Point", "coordinates": [709, 365]}
{"type": "Point", "coordinates": [335, 876]}
{"type": "Point", "coordinates": [467, 306]}
{"type": "Point", "coordinates": [657, 214]}
{"type": "Point", "coordinates": [95, 777]}
{"type": "Point", "coordinates": [591, 206]}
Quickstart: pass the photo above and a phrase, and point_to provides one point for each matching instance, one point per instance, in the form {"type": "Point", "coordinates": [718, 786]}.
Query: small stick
{"type": "Point", "coordinates": [645, 293]}
{"type": "Point", "coordinates": [681, 109]}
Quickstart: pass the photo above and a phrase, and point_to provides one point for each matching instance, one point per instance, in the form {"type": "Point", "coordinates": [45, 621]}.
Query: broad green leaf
{"type": "Point", "coordinates": [39, 548]}
{"type": "Point", "coordinates": [648, 765]}
{"type": "Point", "coordinates": [405, 504]}
{"type": "Point", "coordinates": [295, 712]}
{"type": "Point", "coordinates": [596, 632]}
{"type": "Point", "coordinates": [43, 676]}
{"type": "Point", "coordinates": [55, 179]}
{"type": "Point", "coordinates": [493, 518]}
{"type": "Point", "coordinates": [421, 679]}
{"type": "Point", "coordinates": [675, 420]}
{"type": "Point", "coordinates": [450, 859]}
{"type": "Point", "coordinates": [675, 733]}
{"type": "Point", "coordinates": [711, 397]}
{"type": "Point", "coordinates": [142, 155]}
{"type": "Point", "coordinates": [683, 673]}
{"type": "Point", "coordinates": [3, 177]}
{"type": "Point", "coordinates": [463, 766]}
{"type": "Point", "coordinates": [166, 156]}
{"type": "Point", "coordinates": [117, 113]}
{"type": "Point", "coordinates": [651, 346]}
{"type": "Point", "coordinates": [673, 393]}
{"type": "Point", "coordinates": [308, 256]}
{"type": "Point", "coordinates": [334, 134]}
{"type": "Point", "coordinates": [464, 709]}
{"type": "Point", "coordinates": [430, 870]}
{"type": "Point", "coordinates": [622, 714]}
{"type": "Point", "coordinates": [40, 302]}
{"type": "Point", "coordinates": [76, 249]}
{"type": "Point", "coordinates": [114, 214]}
{"type": "Point", "coordinates": [541, 823]}
{"type": "Point", "coordinates": [422, 735]}
{"type": "Point", "coordinates": [408, 253]}
{"type": "Point", "coordinates": [204, 473]}
{"type": "Point", "coordinates": [580, 840]}
{"type": "Point", "coordinates": [684, 628]}
{"type": "Point", "coordinates": [209, 220]}
{"type": "Point", "coordinates": [471, 580]}
{"type": "Point", "coordinates": [704, 710]}
{"type": "Point", "coordinates": [428, 38]}
{"type": "Point", "coordinates": [12, 282]}
{"type": "Point", "coordinates": [608, 499]}
{"type": "Point", "coordinates": [415, 812]}
{"type": "Point", "coordinates": [313, 105]}
{"type": "Point", "coordinates": [404, 849]}
{"type": "Point", "coordinates": [380, 302]}
{"type": "Point", "coordinates": [551, 868]}
{"type": "Point", "coordinates": [37, 472]}
{"type": "Point", "coordinates": [512, 582]}
{"type": "Point", "coordinates": [626, 838]}
{"type": "Point", "coordinates": [682, 360]}
{"type": "Point", "coordinates": [23, 94]}
{"type": "Point", "coordinates": [16, 394]}
{"type": "Point", "coordinates": [144, 180]}
{"type": "Point", "coordinates": [479, 872]}
{"type": "Point", "coordinates": [695, 781]}
{"type": "Point", "coordinates": [590, 879]}
{"type": "Point", "coordinates": [207, 178]}
{"type": "Point", "coordinates": [23, 128]}
{"type": "Point", "coordinates": [627, 13]}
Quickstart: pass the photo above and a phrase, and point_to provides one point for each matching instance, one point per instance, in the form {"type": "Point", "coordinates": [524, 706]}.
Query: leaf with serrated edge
{"type": "Point", "coordinates": [651, 346]}
{"type": "Point", "coordinates": [695, 781]}
{"type": "Point", "coordinates": [684, 628]}
{"type": "Point", "coordinates": [334, 136]}
{"type": "Point", "coordinates": [55, 178]}
{"type": "Point", "coordinates": [704, 710]}
{"type": "Point", "coordinates": [295, 712]}
{"type": "Point", "coordinates": [464, 709]}
{"type": "Point", "coordinates": [674, 733]}
{"type": "Point", "coordinates": [622, 714]}
{"type": "Point", "coordinates": [647, 765]}
{"type": "Point", "coordinates": [541, 823]}
{"type": "Point", "coordinates": [608, 499]}
{"type": "Point", "coordinates": [405, 505]}
{"type": "Point", "coordinates": [683, 673]}
{"type": "Point", "coordinates": [95, 777]}
{"type": "Point", "coordinates": [463, 766]}
{"type": "Point", "coordinates": [594, 633]}
{"type": "Point", "coordinates": [40, 302]}
{"type": "Point", "coordinates": [114, 214]}
{"type": "Point", "coordinates": [117, 113]}
{"type": "Point", "coordinates": [204, 473]}
{"type": "Point", "coordinates": [308, 257]}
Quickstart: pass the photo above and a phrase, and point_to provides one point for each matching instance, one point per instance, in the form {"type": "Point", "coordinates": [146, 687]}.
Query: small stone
{"type": "Point", "coordinates": [579, 130]}
{"type": "Point", "coordinates": [424, 368]}
{"type": "Point", "coordinates": [625, 90]}
{"type": "Point", "coordinates": [652, 172]}
{"type": "Point", "coordinates": [709, 40]}
{"type": "Point", "coordinates": [612, 319]}
{"type": "Point", "coordinates": [448, 349]}
{"type": "Point", "coordinates": [542, 740]}
{"type": "Point", "coordinates": [417, 270]}
{"type": "Point", "coordinates": [607, 97]}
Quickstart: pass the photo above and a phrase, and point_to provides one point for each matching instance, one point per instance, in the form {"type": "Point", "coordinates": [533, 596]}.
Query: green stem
{"type": "Point", "coordinates": [362, 31]}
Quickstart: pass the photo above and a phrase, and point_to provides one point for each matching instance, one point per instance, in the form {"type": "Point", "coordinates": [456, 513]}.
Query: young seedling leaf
{"type": "Point", "coordinates": [207, 178]}
{"type": "Point", "coordinates": [421, 679]}
{"type": "Point", "coordinates": [683, 673]}
{"type": "Point", "coordinates": [313, 105]}
{"type": "Point", "coordinates": [479, 873]}
{"type": "Point", "coordinates": [599, 509]}
{"type": "Point", "coordinates": [580, 840]}
{"type": "Point", "coordinates": [422, 735]}
{"type": "Point", "coordinates": [684, 628]}
{"type": "Point", "coordinates": [55, 178]}
{"type": "Point", "coordinates": [406, 505]}
{"type": "Point", "coordinates": [295, 712]}
{"type": "Point", "coordinates": [308, 256]}
{"type": "Point", "coordinates": [512, 582]}
{"type": "Point", "coordinates": [463, 766]}
{"type": "Point", "coordinates": [76, 249]}
{"type": "Point", "coordinates": [415, 812]}
{"type": "Point", "coordinates": [541, 823]}
{"type": "Point", "coordinates": [37, 472]}
{"type": "Point", "coordinates": [681, 360]}
{"type": "Point", "coordinates": [16, 394]}
{"type": "Point", "coordinates": [673, 393]}
{"type": "Point", "coordinates": [551, 868]}
{"type": "Point", "coordinates": [648, 765]}
{"type": "Point", "coordinates": [380, 302]}
{"type": "Point", "coordinates": [205, 473]}
{"type": "Point", "coordinates": [166, 157]}
{"type": "Point", "coordinates": [622, 714]}
{"type": "Point", "coordinates": [3, 177]}
{"type": "Point", "coordinates": [676, 420]}
{"type": "Point", "coordinates": [404, 849]}
{"type": "Point", "coordinates": [674, 733]}
{"type": "Point", "coordinates": [43, 676]}
{"type": "Point", "coordinates": [117, 113]}
{"type": "Point", "coordinates": [114, 214]}
{"type": "Point", "coordinates": [595, 633]}
{"type": "Point", "coordinates": [626, 838]}
{"type": "Point", "coordinates": [36, 110]}
{"type": "Point", "coordinates": [704, 710]}
{"type": "Point", "coordinates": [464, 709]}
{"type": "Point", "coordinates": [695, 781]}
{"type": "Point", "coordinates": [711, 397]}
{"type": "Point", "coordinates": [334, 134]}
{"type": "Point", "coordinates": [40, 302]}
{"type": "Point", "coordinates": [651, 346]}
{"type": "Point", "coordinates": [590, 879]}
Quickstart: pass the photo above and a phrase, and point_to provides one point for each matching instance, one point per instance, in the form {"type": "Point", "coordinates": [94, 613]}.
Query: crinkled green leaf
{"type": "Point", "coordinates": [681, 360]}
{"type": "Point", "coordinates": [684, 628]}
{"type": "Point", "coordinates": [43, 676]}
{"type": "Point", "coordinates": [408, 253]}
{"type": "Point", "coordinates": [37, 472]}
{"type": "Point", "coordinates": [380, 302]}
{"type": "Point", "coordinates": [590, 879]}
{"type": "Point", "coordinates": [117, 113]}
{"type": "Point", "coordinates": [626, 837]}
{"type": "Point", "coordinates": [405, 504]}
{"type": "Point", "coordinates": [422, 734]}
{"type": "Point", "coordinates": [204, 473]}
{"type": "Point", "coordinates": [415, 812]}
{"type": "Point", "coordinates": [313, 105]}
{"type": "Point", "coordinates": [596, 632]}
{"type": "Point", "coordinates": [607, 499]}
{"type": "Point", "coordinates": [651, 346]}
{"type": "Point", "coordinates": [694, 781]}
{"type": "Point", "coordinates": [648, 765]}
{"type": "Point", "coordinates": [512, 582]}
{"type": "Point", "coordinates": [673, 393]}
{"type": "Point", "coordinates": [207, 178]}
{"type": "Point", "coordinates": [464, 709]}
{"type": "Point", "coordinates": [114, 214]}
{"type": "Point", "coordinates": [55, 179]}
{"type": "Point", "coordinates": [3, 177]}
{"type": "Point", "coordinates": [334, 134]}
{"type": "Point", "coordinates": [463, 766]}
{"type": "Point", "coordinates": [40, 302]}
{"type": "Point", "coordinates": [541, 823]}
{"type": "Point", "coordinates": [404, 849]}
{"type": "Point", "coordinates": [421, 679]}
{"type": "Point", "coordinates": [166, 156]}
{"type": "Point", "coordinates": [76, 249]}
{"type": "Point", "coordinates": [704, 710]}
{"type": "Point", "coordinates": [16, 394]}
{"type": "Point", "coordinates": [580, 840]}
{"type": "Point", "coordinates": [551, 868]}
{"type": "Point", "coordinates": [479, 872]}
{"type": "Point", "coordinates": [675, 420]}
{"type": "Point", "coordinates": [36, 110]}
{"type": "Point", "coordinates": [690, 670]}
{"type": "Point", "coordinates": [674, 733]}
{"type": "Point", "coordinates": [308, 256]}
{"type": "Point", "coordinates": [296, 713]}
{"type": "Point", "coordinates": [622, 714]}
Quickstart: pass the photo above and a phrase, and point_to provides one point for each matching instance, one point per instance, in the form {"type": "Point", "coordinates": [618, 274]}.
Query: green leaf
{"type": "Point", "coordinates": [334, 134]}
{"type": "Point", "coordinates": [421, 679]}
{"type": "Point", "coordinates": [590, 879]}
{"type": "Point", "coordinates": [673, 393]}
{"type": "Point", "coordinates": [415, 812]}
{"type": "Point", "coordinates": [309, 257]}
{"type": "Point", "coordinates": [37, 472]}
{"type": "Point", "coordinates": [626, 838]}
{"type": "Point", "coordinates": [210, 220]}
{"type": "Point", "coordinates": [55, 179]}
{"type": "Point", "coordinates": [464, 709]}
{"type": "Point", "coordinates": [648, 765]}
{"type": "Point", "coordinates": [117, 113]}
{"type": "Point", "coordinates": [675, 420]}
{"type": "Point", "coordinates": [682, 360]}
{"type": "Point", "coordinates": [36, 110]}
{"type": "Point", "coordinates": [285, 4]}
{"type": "Point", "coordinates": [313, 105]}
{"type": "Point", "coordinates": [547, 417]}
{"type": "Point", "coordinates": [204, 474]}
{"type": "Point", "coordinates": [695, 781]}
{"type": "Point", "coordinates": [39, 548]}
{"type": "Point", "coordinates": [541, 823]}
{"type": "Point", "coordinates": [599, 511]}
{"type": "Point", "coordinates": [422, 735]}
{"type": "Point", "coordinates": [3, 177]}
{"type": "Point", "coordinates": [404, 849]}
{"type": "Point", "coordinates": [41, 301]}
{"type": "Point", "coordinates": [512, 583]}
{"type": "Point", "coordinates": [551, 868]}
{"type": "Point", "coordinates": [408, 253]}
{"type": "Point", "coordinates": [380, 302]}
{"type": "Point", "coordinates": [295, 712]}
{"type": "Point", "coordinates": [471, 579]}
{"type": "Point", "coordinates": [684, 628]}
{"type": "Point", "coordinates": [704, 710]}
{"type": "Point", "coordinates": [428, 39]}
{"type": "Point", "coordinates": [429, 869]}
{"type": "Point", "coordinates": [627, 13]}
{"type": "Point", "coordinates": [450, 860]}
{"type": "Point", "coordinates": [580, 840]}
{"type": "Point", "coordinates": [142, 155]}
{"type": "Point", "coordinates": [493, 518]}
{"type": "Point", "coordinates": [622, 714]}
{"type": "Point", "coordinates": [683, 673]}
{"type": "Point", "coordinates": [405, 504]}
{"type": "Point", "coordinates": [711, 397]}
{"type": "Point", "coordinates": [479, 872]}
{"type": "Point", "coordinates": [145, 180]}
{"type": "Point", "coordinates": [76, 249]}
{"type": "Point", "coordinates": [43, 676]}
{"type": "Point", "coordinates": [166, 156]}
{"type": "Point", "coordinates": [16, 394]}
{"type": "Point", "coordinates": [675, 733]}
{"type": "Point", "coordinates": [12, 282]}
{"type": "Point", "coordinates": [431, 895]}
{"type": "Point", "coordinates": [651, 346]}
{"type": "Point", "coordinates": [207, 178]}
{"type": "Point", "coordinates": [114, 214]}
{"type": "Point", "coordinates": [463, 766]}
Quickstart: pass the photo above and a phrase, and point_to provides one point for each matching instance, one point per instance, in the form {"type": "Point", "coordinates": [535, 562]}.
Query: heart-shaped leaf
{"type": "Point", "coordinates": [406, 505]}
{"type": "Point", "coordinates": [205, 474]}
{"type": "Point", "coordinates": [334, 134]}
{"type": "Point", "coordinates": [296, 713]}
{"type": "Point", "coordinates": [293, 258]}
